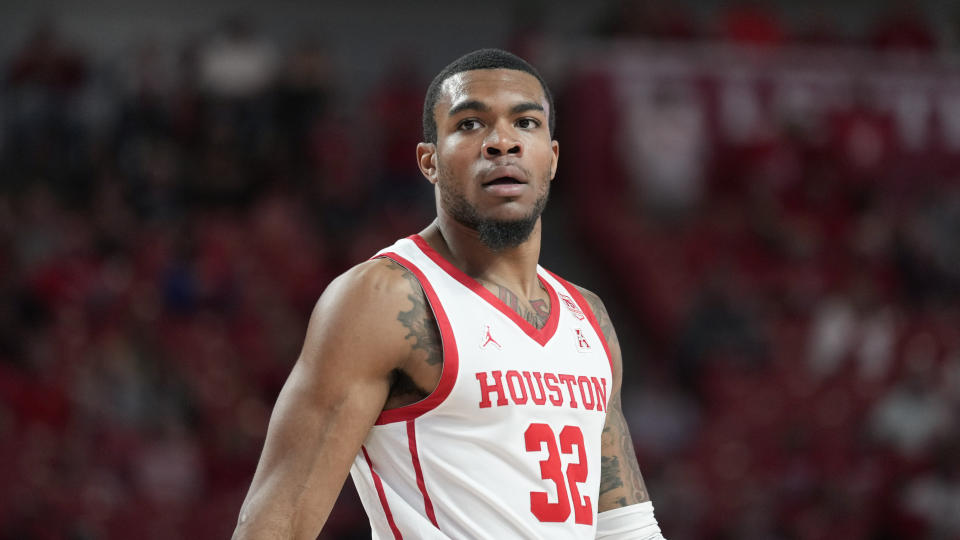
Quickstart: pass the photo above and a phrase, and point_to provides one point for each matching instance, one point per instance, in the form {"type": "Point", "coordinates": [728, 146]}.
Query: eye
{"type": "Point", "coordinates": [528, 123]}
{"type": "Point", "coordinates": [468, 124]}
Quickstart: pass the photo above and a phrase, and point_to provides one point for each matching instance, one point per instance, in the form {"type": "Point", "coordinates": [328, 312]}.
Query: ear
{"type": "Point", "coordinates": [427, 160]}
{"type": "Point", "coordinates": [555, 147]}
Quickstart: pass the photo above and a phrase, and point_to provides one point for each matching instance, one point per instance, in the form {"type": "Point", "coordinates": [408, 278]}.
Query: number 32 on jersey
{"type": "Point", "coordinates": [570, 441]}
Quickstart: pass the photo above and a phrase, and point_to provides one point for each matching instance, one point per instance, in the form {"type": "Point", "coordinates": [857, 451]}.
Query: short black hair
{"type": "Point", "coordinates": [479, 59]}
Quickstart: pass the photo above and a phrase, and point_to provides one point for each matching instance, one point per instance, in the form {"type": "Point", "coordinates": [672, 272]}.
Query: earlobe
{"type": "Point", "coordinates": [427, 161]}
{"type": "Point", "coordinates": [556, 156]}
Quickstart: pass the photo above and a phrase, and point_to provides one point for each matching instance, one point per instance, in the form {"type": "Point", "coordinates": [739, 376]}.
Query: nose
{"type": "Point", "coordinates": [502, 141]}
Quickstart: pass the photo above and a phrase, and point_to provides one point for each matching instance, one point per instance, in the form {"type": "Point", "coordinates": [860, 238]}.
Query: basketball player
{"type": "Point", "coordinates": [469, 392]}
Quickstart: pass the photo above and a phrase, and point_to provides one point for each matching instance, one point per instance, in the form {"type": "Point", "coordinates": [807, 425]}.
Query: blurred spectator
{"type": "Point", "coordinates": [396, 107]}
{"type": "Point", "coordinates": [926, 256]}
{"type": "Point", "coordinates": [168, 469]}
{"type": "Point", "coordinates": [914, 413]}
{"type": "Point", "coordinates": [934, 496]}
{"type": "Point", "coordinates": [649, 19]}
{"type": "Point", "coordinates": [44, 81]}
{"type": "Point", "coordinates": [720, 329]}
{"type": "Point", "coordinates": [663, 420]}
{"type": "Point", "coordinates": [238, 62]}
{"type": "Point", "coordinates": [819, 30]}
{"type": "Point", "coordinates": [305, 90]}
{"type": "Point", "coordinates": [47, 62]}
{"type": "Point", "coordinates": [752, 23]}
{"type": "Point", "coordinates": [902, 28]}
{"type": "Point", "coordinates": [853, 325]}
{"type": "Point", "coordinates": [666, 149]}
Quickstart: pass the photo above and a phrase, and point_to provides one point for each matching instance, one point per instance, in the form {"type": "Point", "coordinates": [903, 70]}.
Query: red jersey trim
{"type": "Point", "coordinates": [415, 457]}
{"type": "Point", "coordinates": [382, 495]}
{"type": "Point", "coordinates": [585, 307]}
{"type": "Point", "coordinates": [540, 335]}
{"type": "Point", "coordinates": [451, 360]}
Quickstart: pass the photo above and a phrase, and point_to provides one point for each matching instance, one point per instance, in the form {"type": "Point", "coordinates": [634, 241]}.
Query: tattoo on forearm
{"type": "Point", "coordinates": [613, 474]}
{"type": "Point", "coordinates": [620, 472]}
{"type": "Point", "coordinates": [419, 320]}
{"type": "Point", "coordinates": [609, 474]}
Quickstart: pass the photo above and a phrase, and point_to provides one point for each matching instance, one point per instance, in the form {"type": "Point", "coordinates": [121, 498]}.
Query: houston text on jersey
{"type": "Point", "coordinates": [521, 389]}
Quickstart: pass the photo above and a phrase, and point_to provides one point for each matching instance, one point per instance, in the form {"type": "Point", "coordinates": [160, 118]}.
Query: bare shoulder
{"type": "Point", "coordinates": [606, 325]}
{"type": "Point", "coordinates": [367, 290]}
{"type": "Point", "coordinates": [359, 308]}
{"type": "Point", "coordinates": [380, 300]}
{"type": "Point", "coordinates": [596, 305]}
{"type": "Point", "coordinates": [376, 277]}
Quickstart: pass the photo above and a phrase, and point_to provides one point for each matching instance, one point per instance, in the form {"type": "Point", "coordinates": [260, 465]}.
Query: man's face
{"type": "Point", "coordinates": [494, 159]}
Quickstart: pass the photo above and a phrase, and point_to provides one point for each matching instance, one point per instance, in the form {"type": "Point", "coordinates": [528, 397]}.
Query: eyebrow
{"type": "Point", "coordinates": [526, 106]}
{"type": "Point", "coordinates": [479, 106]}
{"type": "Point", "coordinates": [469, 105]}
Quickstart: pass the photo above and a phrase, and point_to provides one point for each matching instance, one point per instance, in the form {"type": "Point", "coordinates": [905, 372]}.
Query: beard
{"type": "Point", "coordinates": [495, 234]}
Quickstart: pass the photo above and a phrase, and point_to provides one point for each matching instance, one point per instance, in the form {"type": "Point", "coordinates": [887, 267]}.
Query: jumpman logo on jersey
{"type": "Point", "coordinates": [582, 344]}
{"type": "Point", "coordinates": [488, 338]}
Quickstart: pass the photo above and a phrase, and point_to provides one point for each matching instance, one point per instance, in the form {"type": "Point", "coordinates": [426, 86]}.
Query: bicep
{"type": "Point", "coordinates": [333, 395]}
{"type": "Point", "coordinates": [308, 450]}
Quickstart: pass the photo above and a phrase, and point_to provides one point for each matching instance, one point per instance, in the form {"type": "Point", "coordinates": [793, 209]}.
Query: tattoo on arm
{"type": "Point", "coordinates": [603, 320]}
{"type": "Point", "coordinates": [623, 477]}
{"type": "Point", "coordinates": [619, 471]}
{"type": "Point", "coordinates": [609, 473]}
{"type": "Point", "coordinates": [419, 321]}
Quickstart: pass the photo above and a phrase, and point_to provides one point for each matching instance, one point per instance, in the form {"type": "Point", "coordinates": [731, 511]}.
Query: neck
{"type": "Point", "coordinates": [511, 267]}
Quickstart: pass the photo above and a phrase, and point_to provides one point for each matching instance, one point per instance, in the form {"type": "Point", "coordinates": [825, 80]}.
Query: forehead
{"type": "Point", "coordinates": [488, 85]}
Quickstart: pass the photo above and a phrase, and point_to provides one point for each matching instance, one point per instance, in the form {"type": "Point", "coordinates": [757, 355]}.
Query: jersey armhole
{"type": "Point", "coordinates": [588, 311]}
{"type": "Point", "coordinates": [448, 344]}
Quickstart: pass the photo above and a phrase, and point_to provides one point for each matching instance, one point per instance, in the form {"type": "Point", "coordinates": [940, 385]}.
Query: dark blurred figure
{"type": "Point", "coordinates": [649, 19]}
{"type": "Point", "coordinates": [394, 124]}
{"type": "Point", "coordinates": [720, 332]}
{"type": "Point", "coordinates": [237, 70]}
{"type": "Point", "coordinates": [933, 496]}
{"type": "Point", "coordinates": [903, 28]}
{"type": "Point", "coordinates": [44, 79]}
{"type": "Point", "coordinates": [47, 61]}
{"type": "Point", "coordinates": [751, 22]}
{"type": "Point", "coordinates": [305, 91]}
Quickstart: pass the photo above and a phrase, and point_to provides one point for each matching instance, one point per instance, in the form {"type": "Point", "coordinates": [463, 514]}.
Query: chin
{"type": "Point", "coordinates": [499, 235]}
{"type": "Point", "coordinates": [508, 217]}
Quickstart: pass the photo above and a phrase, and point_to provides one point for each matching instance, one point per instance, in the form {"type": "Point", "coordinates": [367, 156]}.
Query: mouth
{"type": "Point", "coordinates": [502, 181]}
{"type": "Point", "coordinates": [505, 186]}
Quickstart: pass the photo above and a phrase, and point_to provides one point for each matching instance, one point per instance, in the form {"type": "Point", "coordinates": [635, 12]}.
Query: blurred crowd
{"type": "Point", "coordinates": [787, 287]}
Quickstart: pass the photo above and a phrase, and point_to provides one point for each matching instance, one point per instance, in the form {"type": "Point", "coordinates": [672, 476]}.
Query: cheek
{"type": "Point", "coordinates": [458, 162]}
{"type": "Point", "coordinates": [451, 156]}
{"type": "Point", "coordinates": [548, 162]}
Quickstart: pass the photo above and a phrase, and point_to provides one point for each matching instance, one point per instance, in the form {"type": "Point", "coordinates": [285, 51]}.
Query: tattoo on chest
{"type": "Point", "coordinates": [536, 312]}
{"type": "Point", "coordinates": [422, 331]}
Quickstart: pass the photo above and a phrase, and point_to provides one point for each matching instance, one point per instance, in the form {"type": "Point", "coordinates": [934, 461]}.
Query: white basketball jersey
{"type": "Point", "coordinates": [508, 444]}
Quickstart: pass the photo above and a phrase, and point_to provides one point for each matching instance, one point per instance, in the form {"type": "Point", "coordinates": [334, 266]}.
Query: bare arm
{"type": "Point", "coordinates": [621, 483]}
{"type": "Point", "coordinates": [332, 397]}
